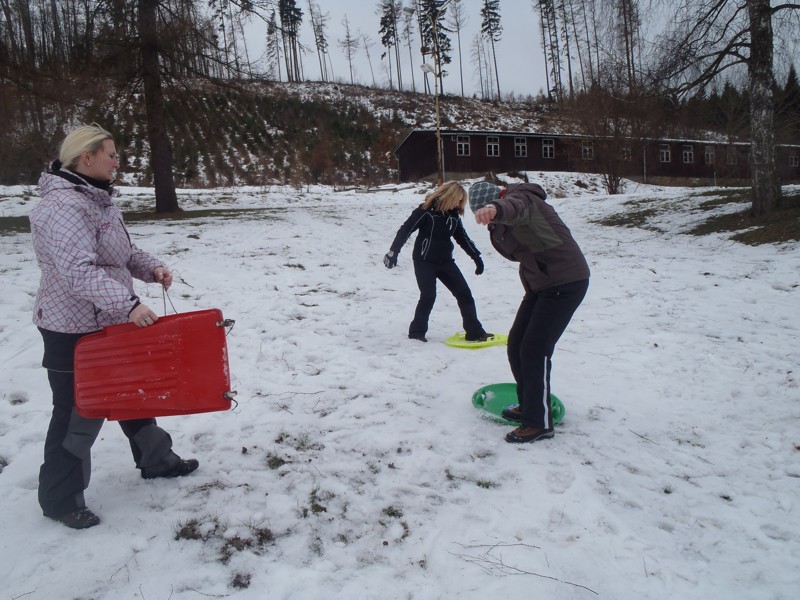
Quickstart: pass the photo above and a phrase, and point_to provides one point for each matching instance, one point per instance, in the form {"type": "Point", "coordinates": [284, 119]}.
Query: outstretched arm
{"type": "Point", "coordinates": [405, 231]}
{"type": "Point", "coordinates": [484, 216]}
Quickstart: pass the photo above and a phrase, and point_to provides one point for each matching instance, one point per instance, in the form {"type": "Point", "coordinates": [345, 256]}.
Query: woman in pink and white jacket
{"type": "Point", "coordinates": [88, 263]}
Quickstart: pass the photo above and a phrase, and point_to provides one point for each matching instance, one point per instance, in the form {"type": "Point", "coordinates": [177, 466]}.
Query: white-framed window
{"type": "Point", "coordinates": [462, 145]}
{"type": "Point", "coordinates": [709, 154]}
{"type": "Point", "coordinates": [627, 153]}
{"type": "Point", "coordinates": [688, 154]}
{"type": "Point", "coordinates": [520, 147]}
{"type": "Point", "coordinates": [587, 150]}
{"type": "Point", "coordinates": [548, 148]}
{"type": "Point", "coordinates": [664, 154]}
{"type": "Point", "coordinates": [794, 161]}
{"type": "Point", "coordinates": [492, 146]}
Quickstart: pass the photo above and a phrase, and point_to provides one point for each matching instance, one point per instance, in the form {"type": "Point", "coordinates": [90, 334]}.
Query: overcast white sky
{"type": "Point", "coordinates": [519, 54]}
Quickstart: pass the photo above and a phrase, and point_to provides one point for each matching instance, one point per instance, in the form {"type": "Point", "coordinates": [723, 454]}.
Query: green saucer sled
{"type": "Point", "coordinates": [459, 341]}
{"type": "Point", "coordinates": [492, 399]}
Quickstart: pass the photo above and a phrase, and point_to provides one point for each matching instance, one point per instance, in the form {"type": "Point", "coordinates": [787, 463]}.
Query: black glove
{"type": "Point", "coordinates": [478, 265]}
{"type": "Point", "coordinates": [390, 260]}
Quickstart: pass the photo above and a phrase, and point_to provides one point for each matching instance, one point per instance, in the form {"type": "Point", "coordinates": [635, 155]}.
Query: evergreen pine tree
{"type": "Point", "coordinates": [787, 109]}
{"type": "Point", "coordinates": [492, 30]}
{"type": "Point", "coordinates": [291, 17]}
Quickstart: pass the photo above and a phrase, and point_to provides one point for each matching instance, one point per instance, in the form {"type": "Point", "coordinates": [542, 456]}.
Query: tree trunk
{"type": "Point", "coordinates": [160, 154]}
{"type": "Point", "coordinates": [567, 49]}
{"type": "Point", "coordinates": [765, 182]}
{"type": "Point", "coordinates": [577, 41]}
{"type": "Point", "coordinates": [588, 45]}
{"type": "Point", "coordinates": [316, 24]}
{"type": "Point", "coordinates": [410, 61]}
{"type": "Point", "coordinates": [479, 60]}
{"type": "Point", "coordinates": [545, 50]}
{"type": "Point", "coordinates": [555, 51]}
{"type": "Point", "coordinates": [460, 64]}
{"type": "Point", "coordinates": [496, 75]}
{"type": "Point", "coordinates": [397, 48]}
{"type": "Point", "coordinates": [628, 27]}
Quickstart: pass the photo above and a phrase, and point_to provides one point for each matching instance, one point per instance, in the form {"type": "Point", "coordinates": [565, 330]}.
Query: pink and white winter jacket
{"type": "Point", "coordinates": [86, 256]}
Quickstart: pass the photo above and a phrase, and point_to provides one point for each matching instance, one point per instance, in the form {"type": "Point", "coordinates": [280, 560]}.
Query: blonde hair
{"type": "Point", "coordinates": [449, 196]}
{"type": "Point", "coordinates": [86, 138]}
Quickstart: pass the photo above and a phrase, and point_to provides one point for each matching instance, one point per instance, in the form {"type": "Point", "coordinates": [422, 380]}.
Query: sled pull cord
{"type": "Point", "coordinates": [228, 324]}
{"type": "Point", "coordinates": [165, 297]}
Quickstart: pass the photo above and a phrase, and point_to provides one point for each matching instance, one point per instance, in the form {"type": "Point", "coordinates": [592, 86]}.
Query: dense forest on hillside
{"type": "Point", "coordinates": [227, 136]}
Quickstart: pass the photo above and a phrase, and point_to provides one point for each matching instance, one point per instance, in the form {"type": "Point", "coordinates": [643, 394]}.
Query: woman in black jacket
{"type": "Point", "coordinates": [437, 220]}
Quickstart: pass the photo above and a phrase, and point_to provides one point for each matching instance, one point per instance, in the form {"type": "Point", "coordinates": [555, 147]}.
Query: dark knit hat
{"type": "Point", "coordinates": [481, 193]}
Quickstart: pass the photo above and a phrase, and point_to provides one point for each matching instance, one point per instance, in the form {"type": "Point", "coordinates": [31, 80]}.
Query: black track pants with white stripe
{"type": "Point", "coordinates": [541, 319]}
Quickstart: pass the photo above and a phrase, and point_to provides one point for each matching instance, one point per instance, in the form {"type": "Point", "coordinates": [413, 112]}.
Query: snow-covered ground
{"type": "Point", "coordinates": [355, 466]}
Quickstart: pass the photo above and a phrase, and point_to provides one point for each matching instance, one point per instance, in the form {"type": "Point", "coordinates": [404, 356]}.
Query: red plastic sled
{"type": "Point", "coordinates": [177, 366]}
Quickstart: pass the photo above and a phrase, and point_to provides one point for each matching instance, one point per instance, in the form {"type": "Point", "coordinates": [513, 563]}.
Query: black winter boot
{"type": "Point", "coordinates": [512, 413]}
{"type": "Point", "coordinates": [82, 518]}
{"type": "Point", "coordinates": [184, 467]}
{"type": "Point", "coordinates": [483, 337]}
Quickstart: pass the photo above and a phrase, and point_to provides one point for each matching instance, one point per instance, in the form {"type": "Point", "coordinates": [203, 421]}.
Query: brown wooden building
{"type": "Point", "coordinates": [473, 153]}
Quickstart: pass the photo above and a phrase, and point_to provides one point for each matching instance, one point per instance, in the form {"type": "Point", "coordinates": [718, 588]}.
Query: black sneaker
{"type": "Point", "coordinates": [512, 413]}
{"type": "Point", "coordinates": [82, 518]}
{"type": "Point", "coordinates": [524, 435]}
{"type": "Point", "coordinates": [417, 336]}
{"type": "Point", "coordinates": [479, 338]}
{"type": "Point", "coordinates": [182, 468]}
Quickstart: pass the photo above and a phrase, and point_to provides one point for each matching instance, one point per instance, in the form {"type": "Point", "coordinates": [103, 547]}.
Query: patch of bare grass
{"type": "Point", "coordinates": [782, 225]}
{"type": "Point", "coordinates": [636, 217]}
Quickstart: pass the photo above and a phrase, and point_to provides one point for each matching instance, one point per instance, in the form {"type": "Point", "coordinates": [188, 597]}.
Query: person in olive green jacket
{"type": "Point", "coordinates": [555, 276]}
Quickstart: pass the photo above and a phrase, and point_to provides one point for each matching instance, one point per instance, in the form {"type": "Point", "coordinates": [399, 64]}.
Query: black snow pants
{"type": "Point", "coordinates": [541, 319]}
{"type": "Point", "coordinates": [427, 273]}
{"type": "Point", "coordinates": [65, 472]}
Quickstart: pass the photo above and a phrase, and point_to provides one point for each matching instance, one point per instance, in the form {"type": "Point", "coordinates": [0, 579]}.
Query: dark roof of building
{"type": "Point", "coordinates": [540, 134]}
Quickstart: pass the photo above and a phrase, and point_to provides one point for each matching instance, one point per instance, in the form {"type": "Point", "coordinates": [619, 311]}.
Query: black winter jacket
{"type": "Point", "coordinates": [435, 230]}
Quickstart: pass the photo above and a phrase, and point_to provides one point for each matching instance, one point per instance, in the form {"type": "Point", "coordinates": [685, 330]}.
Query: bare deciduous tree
{"type": "Point", "coordinates": [166, 196]}
{"type": "Point", "coordinates": [70, 54]}
{"type": "Point", "coordinates": [709, 37]}
{"type": "Point", "coordinates": [318, 23]}
{"type": "Point", "coordinates": [618, 126]}
{"type": "Point", "coordinates": [349, 44]}
{"type": "Point", "coordinates": [407, 33]}
{"type": "Point", "coordinates": [458, 19]}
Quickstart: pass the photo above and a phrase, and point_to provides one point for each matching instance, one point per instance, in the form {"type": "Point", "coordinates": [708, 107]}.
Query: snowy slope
{"type": "Point", "coordinates": [354, 465]}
